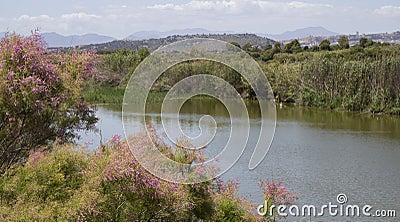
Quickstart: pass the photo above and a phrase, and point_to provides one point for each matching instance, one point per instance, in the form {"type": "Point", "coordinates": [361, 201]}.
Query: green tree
{"type": "Point", "coordinates": [247, 47]}
{"type": "Point", "coordinates": [267, 55]}
{"type": "Point", "coordinates": [344, 42]}
{"type": "Point", "coordinates": [268, 47]}
{"type": "Point", "coordinates": [143, 52]}
{"type": "Point", "coordinates": [277, 47]}
{"type": "Point", "coordinates": [325, 45]}
{"type": "Point", "coordinates": [293, 47]}
{"type": "Point", "coordinates": [235, 44]}
{"type": "Point", "coordinates": [364, 42]}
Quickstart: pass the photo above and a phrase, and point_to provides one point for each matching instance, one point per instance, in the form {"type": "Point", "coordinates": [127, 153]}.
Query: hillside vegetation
{"type": "Point", "coordinates": [153, 44]}
{"type": "Point", "coordinates": [363, 78]}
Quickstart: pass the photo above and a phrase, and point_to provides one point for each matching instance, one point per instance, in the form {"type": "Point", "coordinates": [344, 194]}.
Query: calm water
{"type": "Point", "coordinates": [317, 153]}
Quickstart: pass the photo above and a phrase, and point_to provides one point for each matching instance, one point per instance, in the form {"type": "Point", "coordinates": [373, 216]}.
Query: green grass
{"type": "Point", "coordinates": [104, 95]}
{"type": "Point", "coordinates": [115, 95]}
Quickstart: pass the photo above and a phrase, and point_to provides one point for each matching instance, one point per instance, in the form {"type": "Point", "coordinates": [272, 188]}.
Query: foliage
{"type": "Point", "coordinates": [275, 194]}
{"type": "Point", "coordinates": [94, 93]}
{"type": "Point", "coordinates": [325, 45]}
{"type": "Point", "coordinates": [115, 68]}
{"type": "Point", "coordinates": [109, 185]}
{"type": "Point", "coordinates": [293, 47]}
{"type": "Point", "coordinates": [113, 72]}
{"type": "Point", "coordinates": [361, 78]}
{"type": "Point", "coordinates": [344, 42]}
{"type": "Point", "coordinates": [39, 96]}
{"type": "Point", "coordinates": [185, 69]}
{"type": "Point", "coordinates": [230, 207]}
{"type": "Point", "coordinates": [356, 79]}
{"type": "Point", "coordinates": [42, 190]}
{"type": "Point", "coordinates": [364, 42]}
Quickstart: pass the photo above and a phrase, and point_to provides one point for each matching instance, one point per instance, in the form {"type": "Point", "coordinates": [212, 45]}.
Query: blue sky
{"type": "Point", "coordinates": [122, 18]}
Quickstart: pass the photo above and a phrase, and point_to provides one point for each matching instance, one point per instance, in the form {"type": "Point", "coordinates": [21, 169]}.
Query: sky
{"type": "Point", "coordinates": [122, 18]}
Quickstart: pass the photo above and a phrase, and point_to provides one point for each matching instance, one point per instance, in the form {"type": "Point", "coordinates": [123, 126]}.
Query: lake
{"type": "Point", "coordinates": [317, 153]}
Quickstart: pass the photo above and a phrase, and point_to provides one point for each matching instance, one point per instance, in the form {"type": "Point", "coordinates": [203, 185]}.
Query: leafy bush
{"type": "Point", "coordinates": [366, 80]}
{"type": "Point", "coordinates": [44, 188]}
{"type": "Point", "coordinates": [230, 207]}
{"type": "Point", "coordinates": [109, 185]}
{"type": "Point", "coordinates": [275, 194]}
{"type": "Point", "coordinates": [39, 96]}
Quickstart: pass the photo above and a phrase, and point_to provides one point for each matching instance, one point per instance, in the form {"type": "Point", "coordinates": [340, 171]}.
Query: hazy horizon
{"type": "Point", "coordinates": [119, 19]}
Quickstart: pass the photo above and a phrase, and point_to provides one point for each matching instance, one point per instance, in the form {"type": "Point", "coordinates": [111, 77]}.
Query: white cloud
{"type": "Point", "coordinates": [303, 5]}
{"type": "Point", "coordinates": [34, 18]}
{"type": "Point", "coordinates": [199, 5]}
{"type": "Point", "coordinates": [211, 5]}
{"type": "Point", "coordinates": [166, 6]}
{"type": "Point", "coordinates": [245, 5]}
{"type": "Point", "coordinates": [388, 11]}
{"type": "Point", "coordinates": [80, 16]}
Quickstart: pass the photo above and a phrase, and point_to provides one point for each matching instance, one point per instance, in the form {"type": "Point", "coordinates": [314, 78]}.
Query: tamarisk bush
{"type": "Point", "coordinates": [39, 96]}
{"type": "Point", "coordinates": [109, 184]}
{"type": "Point", "coordinates": [275, 194]}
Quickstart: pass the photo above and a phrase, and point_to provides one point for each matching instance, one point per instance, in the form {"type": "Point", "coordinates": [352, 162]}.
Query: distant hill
{"type": "Point", "coordinates": [157, 35]}
{"type": "Point", "coordinates": [301, 33]}
{"type": "Point", "coordinates": [153, 44]}
{"type": "Point", "coordinates": [56, 40]}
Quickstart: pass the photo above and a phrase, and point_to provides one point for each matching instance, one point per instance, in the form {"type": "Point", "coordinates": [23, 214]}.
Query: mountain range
{"type": "Point", "coordinates": [57, 40]}
{"type": "Point", "coordinates": [158, 35]}
{"type": "Point", "coordinates": [155, 43]}
{"type": "Point", "coordinates": [300, 33]}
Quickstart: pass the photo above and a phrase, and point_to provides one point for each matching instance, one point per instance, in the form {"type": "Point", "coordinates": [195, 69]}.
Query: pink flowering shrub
{"type": "Point", "coordinates": [275, 194]}
{"type": "Point", "coordinates": [130, 191]}
{"type": "Point", "coordinates": [108, 184]}
{"type": "Point", "coordinates": [39, 96]}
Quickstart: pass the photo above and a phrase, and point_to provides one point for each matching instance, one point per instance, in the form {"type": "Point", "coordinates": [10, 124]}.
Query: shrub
{"type": "Point", "coordinates": [70, 184]}
{"type": "Point", "coordinates": [42, 190]}
{"type": "Point", "coordinates": [39, 96]}
{"type": "Point", "coordinates": [275, 194]}
{"type": "Point", "coordinates": [366, 80]}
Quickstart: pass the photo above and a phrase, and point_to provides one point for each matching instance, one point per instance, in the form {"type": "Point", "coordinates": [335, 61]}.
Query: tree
{"type": "Point", "coordinates": [267, 55]}
{"type": "Point", "coordinates": [325, 45]}
{"type": "Point", "coordinates": [364, 42]}
{"type": "Point", "coordinates": [235, 44]}
{"type": "Point", "coordinates": [143, 52]}
{"type": "Point", "coordinates": [293, 47]}
{"type": "Point", "coordinates": [40, 98]}
{"type": "Point", "coordinates": [344, 42]}
{"type": "Point", "coordinates": [268, 47]}
{"type": "Point", "coordinates": [253, 50]}
{"type": "Point", "coordinates": [277, 47]}
{"type": "Point", "coordinates": [247, 46]}
{"type": "Point", "coordinates": [269, 51]}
